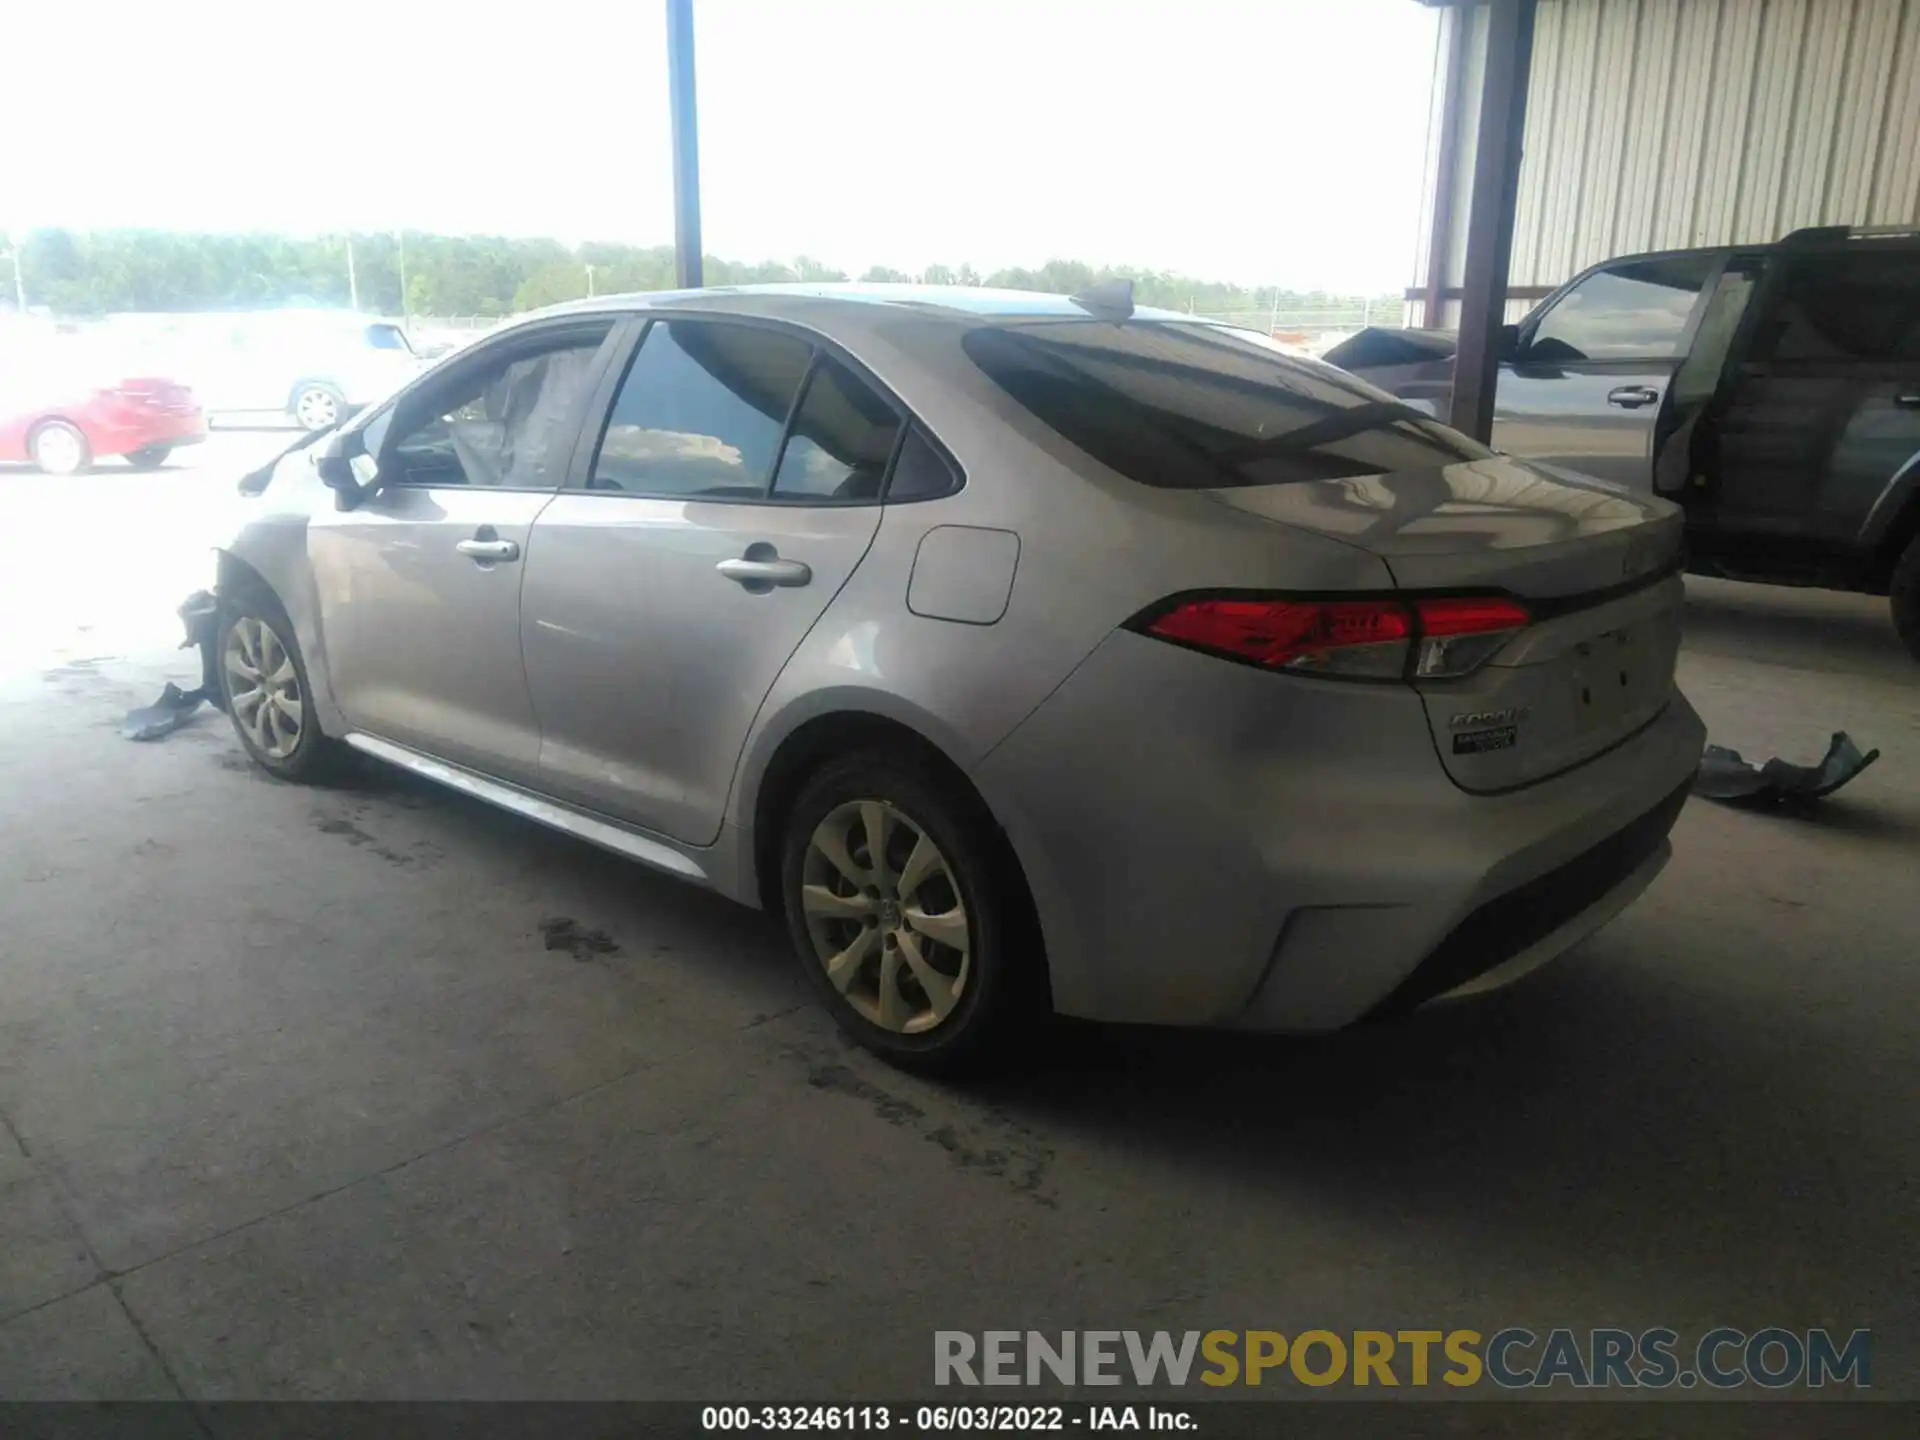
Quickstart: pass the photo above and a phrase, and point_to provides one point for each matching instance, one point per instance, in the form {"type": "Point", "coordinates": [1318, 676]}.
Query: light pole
{"type": "Point", "coordinates": [406, 318]}
{"type": "Point", "coordinates": [19, 285]}
{"type": "Point", "coordinates": [686, 145]}
{"type": "Point", "coordinates": [353, 280]}
{"type": "Point", "coordinates": [589, 282]}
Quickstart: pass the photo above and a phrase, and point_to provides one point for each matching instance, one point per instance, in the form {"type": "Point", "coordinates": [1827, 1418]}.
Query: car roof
{"type": "Point", "coordinates": [1811, 237]}
{"type": "Point", "coordinates": [973, 302]}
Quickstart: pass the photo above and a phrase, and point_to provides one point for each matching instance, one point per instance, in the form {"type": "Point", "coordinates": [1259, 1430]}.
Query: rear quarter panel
{"type": "Point", "coordinates": [1094, 550]}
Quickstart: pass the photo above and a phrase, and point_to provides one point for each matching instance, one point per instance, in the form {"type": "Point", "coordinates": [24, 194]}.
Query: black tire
{"type": "Point", "coordinates": [1903, 595]}
{"type": "Point", "coordinates": [313, 757]}
{"type": "Point", "coordinates": [77, 448]}
{"type": "Point", "coordinates": [149, 457]}
{"type": "Point", "coordinates": [307, 418]}
{"type": "Point", "coordinates": [1004, 989]}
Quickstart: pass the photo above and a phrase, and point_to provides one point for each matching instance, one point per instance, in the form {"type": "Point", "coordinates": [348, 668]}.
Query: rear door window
{"type": "Point", "coordinates": [701, 411]}
{"type": "Point", "coordinates": [1851, 305]}
{"type": "Point", "coordinates": [921, 472]}
{"type": "Point", "coordinates": [1699, 374]}
{"type": "Point", "coordinates": [1197, 407]}
{"type": "Point", "coordinates": [1636, 310]}
{"type": "Point", "coordinates": [843, 436]}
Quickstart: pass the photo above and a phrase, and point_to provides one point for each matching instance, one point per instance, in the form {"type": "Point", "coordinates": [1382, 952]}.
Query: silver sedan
{"type": "Point", "coordinates": [1023, 653]}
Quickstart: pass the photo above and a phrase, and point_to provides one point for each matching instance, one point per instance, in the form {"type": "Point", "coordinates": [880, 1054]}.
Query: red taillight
{"type": "Point", "coordinates": [1470, 615]}
{"type": "Point", "coordinates": [1344, 637]}
{"type": "Point", "coordinates": [143, 392]}
{"type": "Point", "coordinates": [1460, 633]}
{"type": "Point", "coordinates": [1430, 638]}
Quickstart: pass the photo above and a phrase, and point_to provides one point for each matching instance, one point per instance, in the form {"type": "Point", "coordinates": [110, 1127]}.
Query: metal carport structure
{"type": "Point", "coordinates": [1565, 132]}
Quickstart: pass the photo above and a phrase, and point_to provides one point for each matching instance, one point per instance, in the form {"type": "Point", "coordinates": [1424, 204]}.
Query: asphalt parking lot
{"type": "Point", "coordinates": [374, 1092]}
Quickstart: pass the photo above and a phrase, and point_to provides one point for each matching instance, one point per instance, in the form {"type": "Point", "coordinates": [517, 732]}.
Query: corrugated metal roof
{"type": "Point", "coordinates": [1658, 124]}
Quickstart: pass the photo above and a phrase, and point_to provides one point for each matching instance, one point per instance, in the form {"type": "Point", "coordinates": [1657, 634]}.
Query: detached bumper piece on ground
{"type": "Point", "coordinates": [173, 709]}
{"type": "Point", "coordinates": [1725, 775]}
{"type": "Point", "coordinates": [176, 707]}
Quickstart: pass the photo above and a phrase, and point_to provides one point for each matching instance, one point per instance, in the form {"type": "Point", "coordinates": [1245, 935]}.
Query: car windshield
{"type": "Point", "coordinates": [1191, 406]}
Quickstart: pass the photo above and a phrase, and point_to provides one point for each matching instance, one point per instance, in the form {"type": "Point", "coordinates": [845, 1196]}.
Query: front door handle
{"type": "Point", "coordinates": [1907, 402]}
{"type": "Point", "coordinates": [489, 551]}
{"type": "Point", "coordinates": [761, 568]}
{"type": "Point", "coordinates": [1632, 397]}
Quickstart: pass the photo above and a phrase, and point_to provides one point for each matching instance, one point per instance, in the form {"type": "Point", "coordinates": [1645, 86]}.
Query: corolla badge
{"type": "Point", "coordinates": [1482, 719]}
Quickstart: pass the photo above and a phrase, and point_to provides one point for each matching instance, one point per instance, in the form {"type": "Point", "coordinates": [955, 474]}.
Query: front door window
{"type": "Point", "coordinates": [507, 426]}
{"type": "Point", "coordinates": [1636, 310]}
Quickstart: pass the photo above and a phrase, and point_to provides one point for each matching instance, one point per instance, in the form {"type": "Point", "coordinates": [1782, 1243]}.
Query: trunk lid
{"type": "Point", "coordinates": [1597, 566]}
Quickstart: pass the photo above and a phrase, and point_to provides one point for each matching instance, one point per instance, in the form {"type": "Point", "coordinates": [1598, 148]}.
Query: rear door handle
{"type": "Point", "coordinates": [759, 575]}
{"type": "Point", "coordinates": [1632, 397]}
{"type": "Point", "coordinates": [488, 551]}
{"type": "Point", "coordinates": [1907, 402]}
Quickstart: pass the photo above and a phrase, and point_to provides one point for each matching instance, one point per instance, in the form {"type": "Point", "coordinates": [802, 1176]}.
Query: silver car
{"type": "Point", "coordinates": [1023, 653]}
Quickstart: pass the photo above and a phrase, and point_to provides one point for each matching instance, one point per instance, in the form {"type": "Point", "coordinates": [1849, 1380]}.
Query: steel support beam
{"type": "Point", "coordinates": [686, 145]}
{"type": "Point", "coordinates": [1496, 190]}
{"type": "Point", "coordinates": [1459, 28]}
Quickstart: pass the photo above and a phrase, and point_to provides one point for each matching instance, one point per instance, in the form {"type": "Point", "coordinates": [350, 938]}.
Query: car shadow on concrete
{"type": "Point", "coordinates": [1821, 630]}
{"type": "Point", "coordinates": [1880, 823]}
{"type": "Point", "coordinates": [1612, 1110]}
{"type": "Point", "coordinates": [649, 917]}
{"type": "Point", "coordinates": [1598, 1109]}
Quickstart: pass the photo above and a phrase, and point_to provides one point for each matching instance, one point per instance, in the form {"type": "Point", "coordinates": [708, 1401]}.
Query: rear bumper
{"type": "Point", "coordinates": [1530, 924]}
{"type": "Point", "coordinates": [1212, 845]}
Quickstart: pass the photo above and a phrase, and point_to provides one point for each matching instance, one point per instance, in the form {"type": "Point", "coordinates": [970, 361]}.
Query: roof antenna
{"type": "Point", "coordinates": [1109, 300]}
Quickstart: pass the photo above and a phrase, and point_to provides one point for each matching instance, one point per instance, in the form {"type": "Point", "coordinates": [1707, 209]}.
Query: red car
{"type": "Point", "coordinates": [63, 432]}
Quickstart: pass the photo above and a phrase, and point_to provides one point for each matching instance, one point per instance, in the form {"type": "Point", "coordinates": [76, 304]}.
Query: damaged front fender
{"type": "Point", "coordinates": [200, 614]}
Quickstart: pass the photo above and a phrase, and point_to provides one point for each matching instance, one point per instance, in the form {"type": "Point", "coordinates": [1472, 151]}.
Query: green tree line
{"type": "Point", "coordinates": [95, 272]}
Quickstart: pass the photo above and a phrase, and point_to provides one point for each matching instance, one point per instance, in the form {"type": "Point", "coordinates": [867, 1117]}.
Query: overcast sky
{"type": "Point", "coordinates": [1265, 141]}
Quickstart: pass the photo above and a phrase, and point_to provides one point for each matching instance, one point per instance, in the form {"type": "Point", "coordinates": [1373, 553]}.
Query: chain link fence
{"type": "Point", "coordinates": [1317, 328]}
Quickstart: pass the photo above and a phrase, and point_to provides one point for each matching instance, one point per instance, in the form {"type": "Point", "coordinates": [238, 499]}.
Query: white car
{"type": "Point", "coordinates": [313, 367]}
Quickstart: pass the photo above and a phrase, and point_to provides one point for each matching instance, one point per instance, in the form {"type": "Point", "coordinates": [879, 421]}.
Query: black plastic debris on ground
{"type": "Point", "coordinates": [173, 709]}
{"type": "Point", "coordinates": [1725, 775]}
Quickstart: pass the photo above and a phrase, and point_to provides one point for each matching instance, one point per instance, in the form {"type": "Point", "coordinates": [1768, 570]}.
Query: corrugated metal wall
{"type": "Point", "coordinates": [1656, 124]}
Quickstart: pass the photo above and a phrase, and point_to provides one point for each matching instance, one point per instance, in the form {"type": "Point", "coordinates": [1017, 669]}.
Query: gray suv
{"type": "Point", "coordinates": [1023, 653]}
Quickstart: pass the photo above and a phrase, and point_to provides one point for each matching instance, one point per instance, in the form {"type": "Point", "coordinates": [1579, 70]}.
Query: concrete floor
{"type": "Point", "coordinates": [373, 1092]}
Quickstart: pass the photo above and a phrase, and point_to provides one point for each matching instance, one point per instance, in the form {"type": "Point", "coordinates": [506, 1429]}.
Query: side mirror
{"type": "Point", "coordinates": [1509, 344]}
{"type": "Point", "coordinates": [335, 464]}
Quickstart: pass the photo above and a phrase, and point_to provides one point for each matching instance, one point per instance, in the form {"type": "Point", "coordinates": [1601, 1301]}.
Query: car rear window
{"type": "Point", "coordinates": [1200, 407]}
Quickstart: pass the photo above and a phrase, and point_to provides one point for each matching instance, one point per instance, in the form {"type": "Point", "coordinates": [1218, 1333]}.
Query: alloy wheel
{"type": "Point", "coordinates": [316, 409]}
{"type": "Point", "coordinates": [58, 450]}
{"type": "Point", "coordinates": [265, 687]}
{"type": "Point", "coordinates": [885, 915]}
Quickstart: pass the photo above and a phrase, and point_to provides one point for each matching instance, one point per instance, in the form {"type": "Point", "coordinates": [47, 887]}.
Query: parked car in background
{"type": "Point", "coordinates": [59, 413]}
{"type": "Point", "coordinates": [1773, 391]}
{"type": "Point", "coordinates": [311, 367]}
{"type": "Point", "coordinates": [315, 368]}
{"type": "Point", "coordinates": [1021, 652]}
